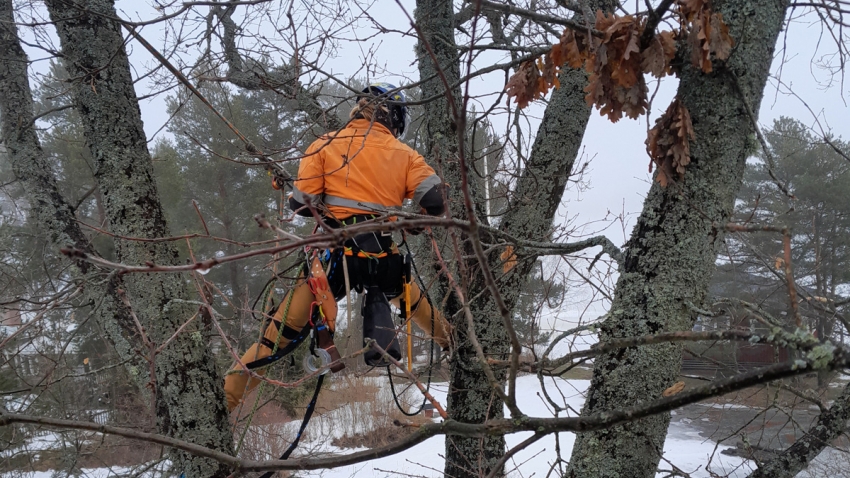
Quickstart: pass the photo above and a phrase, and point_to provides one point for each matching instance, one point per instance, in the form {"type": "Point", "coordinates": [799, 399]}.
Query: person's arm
{"type": "Point", "coordinates": [432, 201]}
{"type": "Point", "coordinates": [311, 180]}
{"type": "Point", "coordinates": [425, 187]}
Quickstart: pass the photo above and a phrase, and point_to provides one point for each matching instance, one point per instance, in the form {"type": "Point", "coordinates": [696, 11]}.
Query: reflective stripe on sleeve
{"type": "Point", "coordinates": [424, 187]}
{"type": "Point", "coordinates": [301, 196]}
{"type": "Point", "coordinates": [362, 205]}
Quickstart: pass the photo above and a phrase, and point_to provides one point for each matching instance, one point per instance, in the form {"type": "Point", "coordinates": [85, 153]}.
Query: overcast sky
{"type": "Point", "coordinates": [618, 175]}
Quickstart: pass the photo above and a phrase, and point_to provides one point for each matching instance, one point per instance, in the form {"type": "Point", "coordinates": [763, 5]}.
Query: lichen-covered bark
{"type": "Point", "coordinates": [538, 194]}
{"type": "Point", "coordinates": [48, 208]}
{"type": "Point", "coordinates": [671, 253]}
{"type": "Point", "coordinates": [190, 399]}
{"type": "Point", "coordinates": [830, 425]}
{"type": "Point", "coordinates": [470, 399]}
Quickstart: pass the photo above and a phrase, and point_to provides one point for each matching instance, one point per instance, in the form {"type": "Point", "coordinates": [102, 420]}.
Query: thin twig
{"type": "Point", "coordinates": [372, 343]}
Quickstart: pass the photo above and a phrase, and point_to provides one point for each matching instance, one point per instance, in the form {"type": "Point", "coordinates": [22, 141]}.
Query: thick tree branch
{"type": "Point", "coordinates": [538, 17]}
{"type": "Point", "coordinates": [49, 210]}
{"type": "Point", "coordinates": [190, 403]}
{"type": "Point", "coordinates": [829, 426]}
{"type": "Point", "coordinates": [251, 75]}
{"type": "Point", "coordinates": [548, 249]}
{"type": "Point", "coordinates": [777, 337]}
{"type": "Point", "coordinates": [655, 17]}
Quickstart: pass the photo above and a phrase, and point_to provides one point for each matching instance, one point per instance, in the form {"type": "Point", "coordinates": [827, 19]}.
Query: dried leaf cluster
{"type": "Point", "coordinates": [526, 85]}
{"type": "Point", "coordinates": [616, 62]}
{"type": "Point", "coordinates": [658, 56]}
{"type": "Point", "coordinates": [533, 79]}
{"type": "Point", "coordinates": [668, 143]}
{"type": "Point", "coordinates": [616, 84]}
{"type": "Point", "coordinates": [615, 58]}
{"type": "Point", "coordinates": [707, 33]}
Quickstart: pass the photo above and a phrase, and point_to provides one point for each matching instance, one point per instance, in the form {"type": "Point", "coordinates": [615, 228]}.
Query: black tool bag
{"type": "Point", "coordinates": [378, 326]}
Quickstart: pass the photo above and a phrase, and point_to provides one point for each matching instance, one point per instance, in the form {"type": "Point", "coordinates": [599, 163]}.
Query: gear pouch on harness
{"type": "Point", "coordinates": [378, 326]}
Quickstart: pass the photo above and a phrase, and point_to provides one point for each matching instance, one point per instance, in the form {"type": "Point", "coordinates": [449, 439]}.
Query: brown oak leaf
{"type": "Point", "coordinates": [573, 48]}
{"type": "Point", "coordinates": [708, 35]}
{"type": "Point", "coordinates": [616, 83]}
{"type": "Point", "coordinates": [659, 54]}
{"type": "Point", "coordinates": [721, 41]}
{"type": "Point", "coordinates": [524, 84]}
{"type": "Point", "coordinates": [508, 258]}
{"type": "Point", "coordinates": [668, 143]}
{"type": "Point", "coordinates": [690, 8]}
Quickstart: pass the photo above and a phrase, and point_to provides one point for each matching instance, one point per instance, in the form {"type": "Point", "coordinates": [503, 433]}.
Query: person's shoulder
{"type": "Point", "coordinates": [323, 140]}
{"type": "Point", "coordinates": [330, 135]}
{"type": "Point", "coordinates": [399, 145]}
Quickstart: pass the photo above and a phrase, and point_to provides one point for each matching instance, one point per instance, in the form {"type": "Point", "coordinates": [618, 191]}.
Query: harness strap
{"type": "Point", "coordinates": [295, 342]}
{"type": "Point", "coordinates": [366, 255]}
{"type": "Point", "coordinates": [288, 333]}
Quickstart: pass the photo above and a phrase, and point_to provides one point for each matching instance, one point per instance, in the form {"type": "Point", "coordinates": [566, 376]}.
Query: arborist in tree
{"type": "Point", "coordinates": [356, 174]}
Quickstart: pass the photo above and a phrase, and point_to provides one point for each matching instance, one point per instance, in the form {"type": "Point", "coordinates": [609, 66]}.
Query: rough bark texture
{"type": "Point", "coordinates": [470, 398]}
{"type": "Point", "coordinates": [533, 206]}
{"type": "Point", "coordinates": [829, 426]}
{"type": "Point", "coordinates": [538, 195]}
{"type": "Point", "coordinates": [672, 250]}
{"type": "Point", "coordinates": [190, 400]}
{"type": "Point", "coordinates": [48, 208]}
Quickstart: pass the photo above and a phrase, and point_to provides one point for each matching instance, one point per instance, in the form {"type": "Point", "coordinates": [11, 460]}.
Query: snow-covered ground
{"type": "Point", "coordinates": [684, 448]}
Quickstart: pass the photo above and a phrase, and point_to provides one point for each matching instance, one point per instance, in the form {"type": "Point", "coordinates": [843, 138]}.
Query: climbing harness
{"type": "Point", "coordinates": [308, 312]}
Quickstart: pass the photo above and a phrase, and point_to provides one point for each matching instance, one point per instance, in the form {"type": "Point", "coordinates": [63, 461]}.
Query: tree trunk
{"type": "Point", "coordinates": [672, 250]}
{"type": "Point", "coordinates": [468, 400]}
{"type": "Point", "coordinates": [471, 399]}
{"type": "Point", "coordinates": [538, 195]}
{"type": "Point", "coordinates": [240, 297]}
{"type": "Point", "coordinates": [49, 210]}
{"type": "Point", "coordinates": [190, 399]}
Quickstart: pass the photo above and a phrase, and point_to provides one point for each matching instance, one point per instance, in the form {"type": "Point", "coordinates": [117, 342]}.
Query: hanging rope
{"type": "Point", "coordinates": [311, 407]}
{"type": "Point", "coordinates": [430, 366]}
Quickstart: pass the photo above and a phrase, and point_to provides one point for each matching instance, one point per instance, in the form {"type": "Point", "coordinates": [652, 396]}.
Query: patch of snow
{"type": "Point", "coordinates": [724, 406]}
{"type": "Point", "coordinates": [19, 403]}
{"type": "Point", "coordinates": [684, 448]}
{"type": "Point", "coordinates": [698, 456]}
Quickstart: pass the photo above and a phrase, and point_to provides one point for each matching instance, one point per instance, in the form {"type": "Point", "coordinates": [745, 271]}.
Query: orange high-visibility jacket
{"type": "Point", "coordinates": [362, 169]}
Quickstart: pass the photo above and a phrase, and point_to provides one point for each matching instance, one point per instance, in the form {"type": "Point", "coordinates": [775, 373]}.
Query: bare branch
{"type": "Point", "coordinates": [251, 75]}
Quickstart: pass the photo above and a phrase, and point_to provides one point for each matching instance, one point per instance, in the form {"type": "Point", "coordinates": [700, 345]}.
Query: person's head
{"type": "Point", "coordinates": [385, 104]}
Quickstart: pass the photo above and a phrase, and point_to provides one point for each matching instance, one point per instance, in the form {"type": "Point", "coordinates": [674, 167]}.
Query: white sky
{"type": "Point", "coordinates": [618, 175]}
